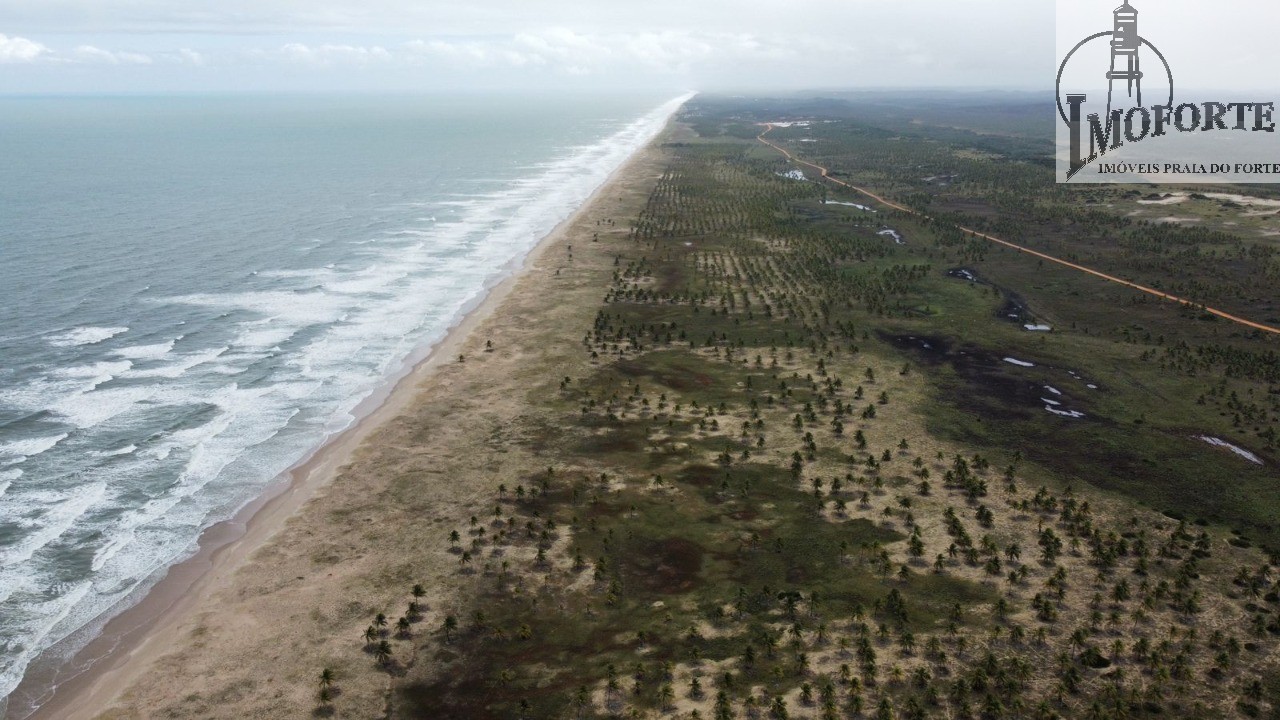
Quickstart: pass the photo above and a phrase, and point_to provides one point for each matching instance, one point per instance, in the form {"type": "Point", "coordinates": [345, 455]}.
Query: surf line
{"type": "Point", "coordinates": [1096, 273]}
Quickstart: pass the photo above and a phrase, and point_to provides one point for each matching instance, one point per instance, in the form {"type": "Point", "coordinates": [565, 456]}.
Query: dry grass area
{"type": "Point", "coordinates": [748, 516]}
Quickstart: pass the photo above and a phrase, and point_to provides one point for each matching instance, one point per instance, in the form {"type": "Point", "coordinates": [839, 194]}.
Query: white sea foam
{"type": "Point", "coordinates": [58, 514]}
{"type": "Point", "coordinates": [41, 617]}
{"type": "Point", "coordinates": [235, 363]}
{"type": "Point", "coordinates": [300, 307]}
{"type": "Point", "coordinates": [17, 451]}
{"type": "Point", "coordinates": [1038, 328]}
{"type": "Point", "coordinates": [126, 450]}
{"type": "Point", "coordinates": [1053, 389]}
{"type": "Point", "coordinates": [60, 387]}
{"type": "Point", "coordinates": [305, 273]}
{"type": "Point", "coordinates": [1019, 363]}
{"type": "Point", "coordinates": [180, 367]}
{"type": "Point", "coordinates": [150, 535]}
{"type": "Point", "coordinates": [375, 279]}
{"type": "Point", "coordinates": [99, 372]}
{"type": "Point", "coordinates": [109, 550]}
{"type": "Point", "coordinates": [145, 352]}
{"type": "Point", "coordinates": [7, 477]}
{"type": "Point", "coordinates": [257, 337]}
{"type": "Point", "coordinates": [1065, 413]}
{"type": "Point", "coordinates": [87, 335]}
{"type": "Point", "coordinates": [91, 409]}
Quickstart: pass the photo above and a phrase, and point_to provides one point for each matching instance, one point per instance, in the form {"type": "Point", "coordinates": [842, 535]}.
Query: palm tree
{"type": "Point", "coordinates": [419, 591]}
{"type": "Point", "coordinates": [612, 687]}
{"type": "Point", "coordinates": [723, 710]}
{"type": "Point", "coordinates": [1079, 639]}
{"type": "Point", "coordinates": [581, 699]}
{"type": "Point", "coordinates": [326, 679]}
{"type": "Point", "coordinates": [450, 625]}
{"type": "Point", "coordinates": [383, 652]}
{"type": "Point", "coordinates": [666, 695]}
{"type": "Point", "coordinates": [370, 634]}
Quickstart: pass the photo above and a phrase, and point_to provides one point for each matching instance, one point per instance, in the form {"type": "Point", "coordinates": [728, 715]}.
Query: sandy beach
{"type": "Point", "coordinates": [243, 628]}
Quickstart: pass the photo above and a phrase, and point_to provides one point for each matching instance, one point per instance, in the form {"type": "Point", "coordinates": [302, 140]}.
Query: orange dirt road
{"type": "Point", "coordinates": [1019, 248]}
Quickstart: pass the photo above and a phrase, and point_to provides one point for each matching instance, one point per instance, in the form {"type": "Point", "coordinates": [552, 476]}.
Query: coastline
{"type": "Point", "coordinates": [130, 643]}
{"type": "Point", "coordinates": [137, 636]}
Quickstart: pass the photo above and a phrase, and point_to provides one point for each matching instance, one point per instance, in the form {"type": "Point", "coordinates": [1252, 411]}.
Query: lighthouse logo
{"type": "Point", "coordinates": [1126, 48]}
{"type": "Point", "coordinates": [1115, 90]}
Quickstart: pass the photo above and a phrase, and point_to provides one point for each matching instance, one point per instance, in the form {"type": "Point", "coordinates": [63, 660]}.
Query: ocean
{"type": "Point", "coordinates": [198, 291]}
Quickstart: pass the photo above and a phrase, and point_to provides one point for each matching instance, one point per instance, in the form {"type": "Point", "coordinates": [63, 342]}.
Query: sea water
{"type": "Point", "coordinates": [195, 292]}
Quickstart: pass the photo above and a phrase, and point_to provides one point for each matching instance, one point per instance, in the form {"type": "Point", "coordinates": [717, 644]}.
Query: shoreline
{"type": "Point", "coordinates": [128, 643]}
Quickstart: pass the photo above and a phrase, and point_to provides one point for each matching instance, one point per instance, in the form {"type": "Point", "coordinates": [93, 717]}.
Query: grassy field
{"type": "Point", "coordinates": [816, 470]}
{"type": "Point", "coordinates": [1168, 375]}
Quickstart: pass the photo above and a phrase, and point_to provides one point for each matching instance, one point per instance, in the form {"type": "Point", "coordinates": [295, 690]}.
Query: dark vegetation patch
{"type": "Point", "coordinates": [679, 373]}
{"type": "Point", "coordinates": [618, 437]}
{"type": "Point", "coordinates": [668, 566]}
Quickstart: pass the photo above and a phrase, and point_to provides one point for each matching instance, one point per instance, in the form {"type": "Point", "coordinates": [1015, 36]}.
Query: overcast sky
{"type": "Point", "coordinates": [412, 45]}
{"type": "Point", "coordinates": [1223, 45]}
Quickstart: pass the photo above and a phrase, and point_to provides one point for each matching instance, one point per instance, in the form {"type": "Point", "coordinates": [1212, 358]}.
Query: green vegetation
{"type": "Point", "coordinates": [816, 473]}
{"type": "Point", "coordinates": [1167, 374]}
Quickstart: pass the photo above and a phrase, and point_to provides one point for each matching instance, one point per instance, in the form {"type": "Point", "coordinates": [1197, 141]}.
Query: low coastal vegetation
{"type": "Point", "coordinates": [806, 468]}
